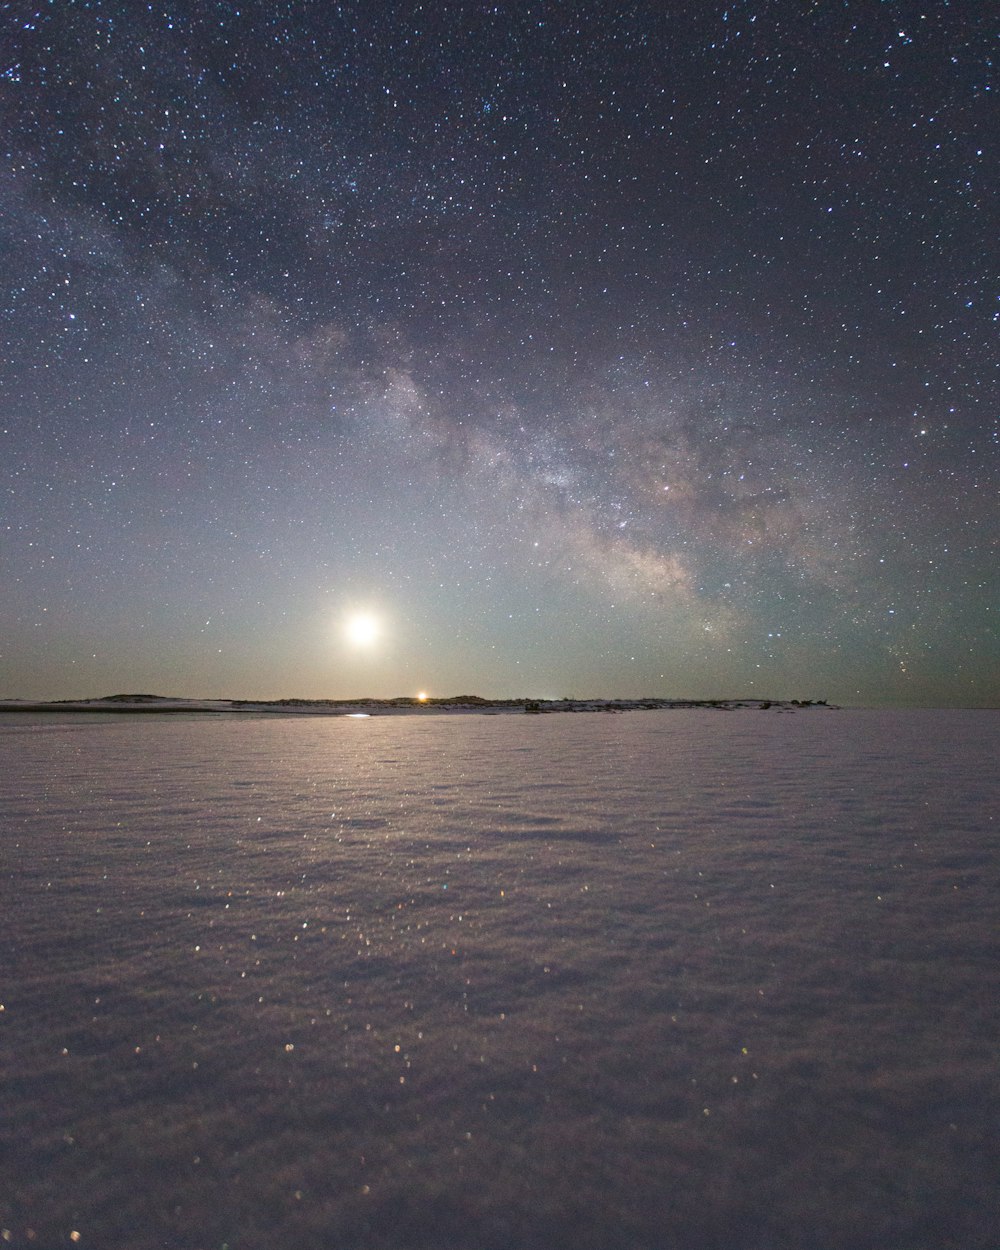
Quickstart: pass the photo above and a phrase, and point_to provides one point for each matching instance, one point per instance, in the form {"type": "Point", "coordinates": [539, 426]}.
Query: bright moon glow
{"type": "Point", "coordinates": [363, 630]}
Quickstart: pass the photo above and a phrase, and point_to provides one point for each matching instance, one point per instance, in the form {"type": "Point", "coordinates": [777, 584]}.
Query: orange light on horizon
{"type": "Point", "coordinates": [422, 696]}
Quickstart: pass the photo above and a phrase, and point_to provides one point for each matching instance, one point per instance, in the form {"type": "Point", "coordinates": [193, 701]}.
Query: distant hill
{"type": "Point", "coordinates": [134, 698]}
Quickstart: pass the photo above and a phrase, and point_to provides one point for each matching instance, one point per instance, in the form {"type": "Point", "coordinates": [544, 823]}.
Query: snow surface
{"type": "Point", "coordinates": [674, 979]}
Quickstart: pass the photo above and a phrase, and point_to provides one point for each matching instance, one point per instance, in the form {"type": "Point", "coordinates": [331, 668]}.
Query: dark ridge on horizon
{"type": "Point", "coordinates": [128, 698]}
{"type": "Point", "coordinates": [153, 703]}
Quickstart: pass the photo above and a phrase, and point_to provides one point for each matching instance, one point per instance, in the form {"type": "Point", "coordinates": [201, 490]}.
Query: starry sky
{"type": "Point", "coordinates": [585, 349]}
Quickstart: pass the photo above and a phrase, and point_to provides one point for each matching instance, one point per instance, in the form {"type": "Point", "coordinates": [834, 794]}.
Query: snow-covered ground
{"type": "Point", "coordinates": [684, 979]}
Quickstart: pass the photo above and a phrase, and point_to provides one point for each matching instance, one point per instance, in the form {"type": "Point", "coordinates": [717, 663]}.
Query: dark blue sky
{"type": "Point", "coordinates": [590, 349]}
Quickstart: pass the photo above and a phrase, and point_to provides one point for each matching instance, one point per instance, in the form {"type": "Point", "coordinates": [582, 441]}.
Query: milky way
{"type": "Point", "coordinates": [595, 349]}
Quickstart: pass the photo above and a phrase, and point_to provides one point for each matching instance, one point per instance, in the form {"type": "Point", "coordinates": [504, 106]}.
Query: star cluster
{"type": "Point", "coordinates": [595, 349]}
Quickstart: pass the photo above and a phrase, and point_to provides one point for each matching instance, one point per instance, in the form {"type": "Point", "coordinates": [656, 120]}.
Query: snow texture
{"type": "Point", "coordinates": [697, 979]}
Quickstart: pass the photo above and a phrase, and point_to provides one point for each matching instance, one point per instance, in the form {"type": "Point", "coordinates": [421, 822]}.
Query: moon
{"type": "Point", "coordinates": [363, 630]}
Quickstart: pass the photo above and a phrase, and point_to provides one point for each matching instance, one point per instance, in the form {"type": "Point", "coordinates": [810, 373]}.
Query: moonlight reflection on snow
{"type": "Point", "coordinates": [652, 980]}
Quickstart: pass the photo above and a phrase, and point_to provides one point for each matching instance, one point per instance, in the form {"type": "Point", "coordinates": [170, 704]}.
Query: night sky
{"type": "Point", "coordinates": [585, 349]}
